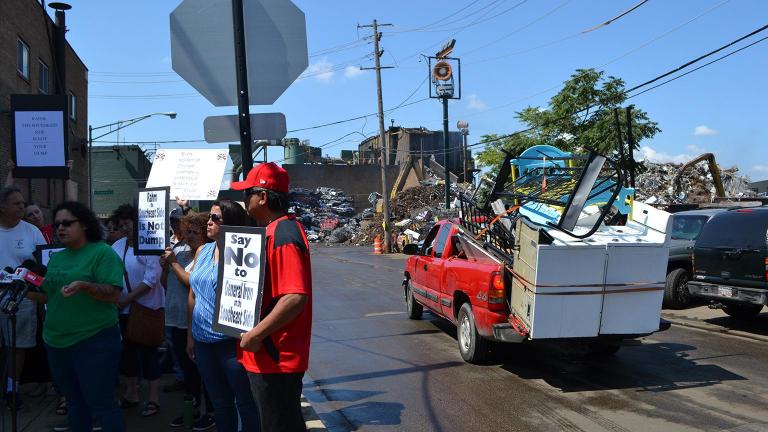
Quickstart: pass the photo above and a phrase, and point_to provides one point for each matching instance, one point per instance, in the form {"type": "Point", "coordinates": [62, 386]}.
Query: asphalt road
{"type": "Point", "coordinates": [373, 369]}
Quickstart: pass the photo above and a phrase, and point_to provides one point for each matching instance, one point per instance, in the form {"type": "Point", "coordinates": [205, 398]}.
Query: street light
{"type": "Point", "coordinates": [113, 127]}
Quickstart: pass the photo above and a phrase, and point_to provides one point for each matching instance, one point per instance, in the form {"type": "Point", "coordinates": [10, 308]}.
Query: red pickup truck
{"type": "Point", "coordinates": [463, 283]}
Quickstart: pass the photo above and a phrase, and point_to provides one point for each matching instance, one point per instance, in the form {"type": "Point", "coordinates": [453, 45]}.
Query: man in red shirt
{"type": "Point", "coordinates": [276, 352]}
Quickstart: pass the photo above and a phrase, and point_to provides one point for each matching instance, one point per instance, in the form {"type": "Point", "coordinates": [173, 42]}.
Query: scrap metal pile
{"type": "Point", "coordinates": [656, 184]}
{"type": "Point", "coordinates": [412, 212]}
{"type": "Point", "coordinates": [326, 214]}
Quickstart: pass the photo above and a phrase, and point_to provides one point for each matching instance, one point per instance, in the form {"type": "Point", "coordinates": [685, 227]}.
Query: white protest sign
{"type": "Point", "coordinates": [151, 235]}
{"type": "Point", "coordinates": [241, 279]}
{"type": "Point", "coordinates": [46, 252]}
{"type": "Point", "coordinates": [39, 138]}
{"type": "Point", "coordinates": [191, 174]}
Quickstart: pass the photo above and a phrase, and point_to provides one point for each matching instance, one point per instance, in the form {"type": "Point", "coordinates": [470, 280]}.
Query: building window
{"type": "Point", "coordinates": [22, 59]}
{"type": "Point", "coordinates": [43, 85]}
{"type": "Point", "coordinates": [72, 106]}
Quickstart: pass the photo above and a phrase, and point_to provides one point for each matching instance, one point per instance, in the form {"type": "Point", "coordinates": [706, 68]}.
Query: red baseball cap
{"type": "Point", "coordinates": [266, 176]}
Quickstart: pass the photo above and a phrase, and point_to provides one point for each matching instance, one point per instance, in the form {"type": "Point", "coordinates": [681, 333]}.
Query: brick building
{"type": "Point", "coordinates": [28, 66]}
{"type": "Point", "coordinates": [418, 143]}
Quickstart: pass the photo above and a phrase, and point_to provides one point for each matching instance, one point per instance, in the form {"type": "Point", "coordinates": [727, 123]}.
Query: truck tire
{"type": "Point", "coordinates": [413, 308]}
{"type": "Point", "coordinates": [676, 295]}
{"type": "Point", "coordinates": [603, 349]}
{"type": "Point", "coordinates": [742, 312]}
{"type": "Point", "coordinates": [472, 346]}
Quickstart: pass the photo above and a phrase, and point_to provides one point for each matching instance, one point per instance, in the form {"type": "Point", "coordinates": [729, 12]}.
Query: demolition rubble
{"type": "Point", "coordinates": [656, 185]}
{"type": "Point", "coordinates": [329, 217]}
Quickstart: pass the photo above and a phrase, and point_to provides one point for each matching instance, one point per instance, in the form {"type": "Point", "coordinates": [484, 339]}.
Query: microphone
{"type": "Point", "coordinates": [25, 278]}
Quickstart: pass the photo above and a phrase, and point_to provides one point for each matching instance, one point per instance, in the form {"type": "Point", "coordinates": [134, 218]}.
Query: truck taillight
{"type": "Point", "coordinates": [693, 265]}
{"type": "Point", "coordinates": [496, 297]}
{"type": "Point", "coordinates": [766, 269]}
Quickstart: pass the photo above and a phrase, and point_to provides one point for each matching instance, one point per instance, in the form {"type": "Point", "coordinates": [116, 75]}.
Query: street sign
{"type": "Point", "coordinates": [264, 126]}
{"type": "Point", "coordinates": [202, 48]}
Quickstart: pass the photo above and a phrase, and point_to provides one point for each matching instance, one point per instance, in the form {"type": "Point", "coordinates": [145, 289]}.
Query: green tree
{"type": "Point", "coordinates": [579, 116]}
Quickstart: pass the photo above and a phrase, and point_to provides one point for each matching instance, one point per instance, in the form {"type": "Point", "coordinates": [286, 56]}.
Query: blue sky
{"type": "Point", "coordinates": [514, 54]}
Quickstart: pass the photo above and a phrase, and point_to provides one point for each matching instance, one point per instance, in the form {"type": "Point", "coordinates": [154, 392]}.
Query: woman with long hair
{"type": "Point", "coordinates": [215, 353]}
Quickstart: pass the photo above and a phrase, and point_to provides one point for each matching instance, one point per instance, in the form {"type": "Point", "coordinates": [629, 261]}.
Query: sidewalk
{"type": "Point", "coordinates": [715, 320]}
{"type": "Point", "coordinates": [38, 413]}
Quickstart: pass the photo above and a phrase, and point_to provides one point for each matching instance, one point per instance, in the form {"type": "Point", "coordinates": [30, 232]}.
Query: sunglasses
{"type": "Point", "coordinates": [213, 217]}
{"type": "Point", "coordinates": [64, 223]}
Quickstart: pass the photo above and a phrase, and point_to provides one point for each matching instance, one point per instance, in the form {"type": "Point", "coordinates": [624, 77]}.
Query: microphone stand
{"type": "Point", "coordinates": [10, 308]}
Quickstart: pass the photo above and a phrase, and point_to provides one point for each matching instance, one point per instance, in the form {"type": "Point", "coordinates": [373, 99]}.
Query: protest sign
{"type": "Point", "coordinates": [241, 279]}
{"type": "Point", "coordinates": [151, 234]}
{"type": "Point", "coordinates": [43, 253]}
{"type": "Point", "coordinates": [39, 134]}
{"type": "Point", "coordinates": [191, 174]}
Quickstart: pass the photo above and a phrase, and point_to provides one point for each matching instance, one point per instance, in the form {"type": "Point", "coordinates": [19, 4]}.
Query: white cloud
{"type": "Point", "coordinates": [475, 103]}
{"type": "Point", "coordinates": [652, 155]}
{"type": "Point", "coordinates": [353, 72]}
{"type": "Point", "coordinates": [694, 149]}
{"type": "Point", "coordinates": [704, 130]}
{"type": "Point", "coordinates": [321, 70]}
{"type": "Point", "coordinates": [760, 168]}
{"type": "Point", "coordinates": [166, 60]}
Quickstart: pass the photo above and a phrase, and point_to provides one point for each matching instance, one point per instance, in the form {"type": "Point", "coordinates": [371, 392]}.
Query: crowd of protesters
{"type": "Point", "coordinates": [97, 292]}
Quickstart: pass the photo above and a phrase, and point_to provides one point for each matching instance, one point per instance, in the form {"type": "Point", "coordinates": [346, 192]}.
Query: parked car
{"type": "Point", "coordinates": [686, 227]}
{"type": "Point", "coordinates": [730, 262]}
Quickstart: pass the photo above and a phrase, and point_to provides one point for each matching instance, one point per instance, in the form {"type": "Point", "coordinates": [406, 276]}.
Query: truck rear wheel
{"type": "Point", "coordinates": [472, 346]}
{"type": "Point", "coordinates": [743, 312]}
{"type": "Point", "coordinates": [413, 308]}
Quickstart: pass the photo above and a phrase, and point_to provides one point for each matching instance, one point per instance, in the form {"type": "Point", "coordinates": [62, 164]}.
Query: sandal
{"type": "Point", "coordinates": [126, 403]}
{"type": "Point", "coordinates": [150, 409]}
{"type": "Point", "coordinates": [61, 407]}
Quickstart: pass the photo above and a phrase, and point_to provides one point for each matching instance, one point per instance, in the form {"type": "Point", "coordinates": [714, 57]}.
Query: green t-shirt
{"type": "Point", "coordinates": [70, 320]}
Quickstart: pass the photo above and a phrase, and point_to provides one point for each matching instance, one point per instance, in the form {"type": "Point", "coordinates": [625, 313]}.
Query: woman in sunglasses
{"type": "Point", "coordinates": [80, 330]}
{"type": "Point", "coordinates": [216, 354]}
{"type": "Point", "coordinates": [177, 263]}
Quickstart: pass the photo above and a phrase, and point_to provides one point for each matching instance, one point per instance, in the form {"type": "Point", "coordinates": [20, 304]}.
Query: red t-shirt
{"type": "Point", "coordinates": [288, 272]}
{"type": "Point", "coordinates": [47, 231]}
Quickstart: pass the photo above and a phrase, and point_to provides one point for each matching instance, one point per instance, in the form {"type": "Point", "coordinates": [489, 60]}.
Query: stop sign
{"type": "Point", "coordinates": [203, 53]}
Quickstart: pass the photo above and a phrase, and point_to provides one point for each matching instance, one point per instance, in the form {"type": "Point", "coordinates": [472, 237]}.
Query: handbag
{"type": "Point", "coordinates": [145, 326]}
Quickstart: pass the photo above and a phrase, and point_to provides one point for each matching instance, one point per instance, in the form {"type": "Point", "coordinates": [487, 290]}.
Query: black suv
{"type": "Point", "coordinates": [730, 261]}
{"type": "Point", "coordinates": [686, 227]}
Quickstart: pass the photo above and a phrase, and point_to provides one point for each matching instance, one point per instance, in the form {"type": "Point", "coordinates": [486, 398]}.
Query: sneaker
{"type": "Point", "coordinates": [97, 428]}
{"type": "Point", "coordinates": [173, 387]}
{"type": "Point", "coordinates": [205, 422]}
{"type": "Point", "coordinates": [61, 428]}
{"type": "Point", "coordinates": [177, 422]}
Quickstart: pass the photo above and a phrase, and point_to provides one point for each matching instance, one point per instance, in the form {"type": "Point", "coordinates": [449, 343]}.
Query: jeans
{"type": "Point", "coordinates": [86, 373]}
{"type": "Point", "coordinates": [138, 360]}
{"type": "Point", "coordinates": [192, 381]}
{"type": "Point", "coordinates": [227, 383]}
{"type": "Point", "coordinates": [178, 372]}
{"type": "Point", "coordinates": [278, 397]}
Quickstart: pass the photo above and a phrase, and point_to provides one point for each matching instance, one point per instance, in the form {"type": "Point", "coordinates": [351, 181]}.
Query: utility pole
{"type": "Point", "coordinates": [383, 145]}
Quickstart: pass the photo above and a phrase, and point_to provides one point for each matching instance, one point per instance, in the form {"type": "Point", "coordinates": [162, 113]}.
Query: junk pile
{"type": "Point", "coordinates": [657, 186]}
{"type": "Point", "coordinates": [326, 214]}
{"type": "Point", "coordinates": [413, 212]}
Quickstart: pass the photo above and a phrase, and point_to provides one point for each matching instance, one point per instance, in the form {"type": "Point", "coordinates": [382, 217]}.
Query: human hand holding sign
{"type": "Point", "coordinates": [250, 341]}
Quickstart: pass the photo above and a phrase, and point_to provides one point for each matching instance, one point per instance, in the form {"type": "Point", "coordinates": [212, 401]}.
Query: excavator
{"type": "Point", "coordinates": [713, 168]}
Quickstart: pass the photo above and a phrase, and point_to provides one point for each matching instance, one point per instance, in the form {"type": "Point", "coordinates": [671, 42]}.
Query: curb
{"type": "Point", "coordinates": [697, 324]}
{"type": "Point", "coordinates": [311, 419]}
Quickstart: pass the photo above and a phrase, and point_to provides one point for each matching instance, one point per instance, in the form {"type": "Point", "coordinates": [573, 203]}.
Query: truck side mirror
{"type": "Point", "coordinates": [411, 249]}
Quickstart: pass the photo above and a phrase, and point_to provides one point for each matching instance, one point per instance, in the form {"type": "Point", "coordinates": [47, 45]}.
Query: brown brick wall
{"type": "Point", "coordinates": [27, 19]}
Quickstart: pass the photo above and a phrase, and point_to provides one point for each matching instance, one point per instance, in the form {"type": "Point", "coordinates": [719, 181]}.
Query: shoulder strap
{"type": "Point", "coordinates": [125, 267]}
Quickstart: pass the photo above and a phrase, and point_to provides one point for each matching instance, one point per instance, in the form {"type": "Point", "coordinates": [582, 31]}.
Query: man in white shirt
{"type": "Point", "coordinates": [18, 240]}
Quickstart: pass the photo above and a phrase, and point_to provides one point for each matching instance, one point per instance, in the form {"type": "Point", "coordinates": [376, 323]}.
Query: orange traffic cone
{"type": "Point", "coordinates": [377, 250]}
